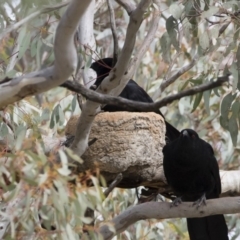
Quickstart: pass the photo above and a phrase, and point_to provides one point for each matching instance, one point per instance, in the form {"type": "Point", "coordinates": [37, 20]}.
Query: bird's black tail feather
{"type": "Point", "coordinates": [207, 228]}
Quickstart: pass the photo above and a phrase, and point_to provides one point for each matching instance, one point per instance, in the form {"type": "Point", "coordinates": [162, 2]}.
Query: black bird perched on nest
{"type": "Point", "coordinates": [132, 91]}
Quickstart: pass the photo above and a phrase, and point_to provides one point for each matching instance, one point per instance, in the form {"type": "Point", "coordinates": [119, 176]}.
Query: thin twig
{"type": "Point", "coordinates": [169, 71]}
{"type": "Point", "coordinates": [179, 73]}
{"type": "Point", "coordinates": [193, 91]}
{"type": "Point", "coordinates": [144, 107]}
{"type": "Point", "coordinates": [116, 181]}
{"type": "Point", "coordinates": [114, 32]}
{"type": "Point", "coordinates": [128, 5]}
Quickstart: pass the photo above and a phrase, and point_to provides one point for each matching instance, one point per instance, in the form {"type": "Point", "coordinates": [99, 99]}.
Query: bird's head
{"type": "Point", "coordinates": [98, 71]}
{"type": "Point", "coordinates": [102, 68]}
{"type": "Point", "coordinates": [189, 134]}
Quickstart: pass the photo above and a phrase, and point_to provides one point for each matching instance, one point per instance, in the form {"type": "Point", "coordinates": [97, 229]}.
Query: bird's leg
{"type": "Point", "coordinates": [200, 201]}
{"type": "Point", "coordinates": [176, 202]}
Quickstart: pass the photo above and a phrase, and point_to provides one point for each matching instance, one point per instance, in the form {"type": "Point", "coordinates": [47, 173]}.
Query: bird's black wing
{"type": "Point", "coordinates": [132, 91]}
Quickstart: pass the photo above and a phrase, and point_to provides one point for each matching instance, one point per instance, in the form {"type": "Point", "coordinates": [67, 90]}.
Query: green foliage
{"type": "Point", "coordinates": [187, 29]}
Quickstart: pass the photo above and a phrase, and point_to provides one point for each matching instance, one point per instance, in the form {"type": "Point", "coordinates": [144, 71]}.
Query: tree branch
{"type": "Point", "coordinates": [179, 73]}
{"type": "Point", "coordinates": [193, 91]}
{"type": "Point", "coordinates": [90, 109]}
{"type": "Point", "coordinates": [143, 107]}
{"type": "Point", "coordinates": [86, 40]}
{"type": "Point", "coordinates": [162, 210]}
{"type": "Point", "coordinates": [114, 31]}
{"type": "Point", "coordinates": [141, 51]}
{"type": "Point", "coordinates": [65, 61]}
{"type": "Point", "coordinates": [117, 180]}
{"type": "Point", "coordinates": [128, 5]}
{"type": "Point", "coordinates": [150, 35]}
{"type": "Point", "coordinates": [174, 77]}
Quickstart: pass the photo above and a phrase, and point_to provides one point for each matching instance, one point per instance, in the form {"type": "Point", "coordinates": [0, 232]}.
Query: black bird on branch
{"type": "Point", "coordinates": [132, 91]}
{"type": "Point", "coordinates": [192, 171]}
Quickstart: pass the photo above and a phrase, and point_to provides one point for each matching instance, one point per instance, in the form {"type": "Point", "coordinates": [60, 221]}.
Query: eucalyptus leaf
{"type": "Point", "coordinates": [57, 113]}
{"type": "Point", "coordinates": [197, 101]}
{"type": "Point", "coordinates": [74, 103]}
{"type": "Point", "coordinates": [236, 108]}
{"type": "Point", "coordinates": [175, 10]}
{"type": "Point", "coordinates": [24, 45]}
{"type": "Point", "coordinates": [237, 67]}
{"type": "Point", "coordinates": [165, 43]}
{"type": "Point", "coordinates": [38, 53]}
{"type": "Point", "coordinates": [45, 115]}
{"type": "Point", "coordinates": [61, 116]}
{"type": "Point", "coordinates": [204, 40]}
{"type": "Point", "coordinates": [206, 97]}
{"type": "Point", "coordinates": [4, 130]}
{"type": "Point", "coordinates": [226, 104]}
{"type": "Point", "coordinates": [233, 129]}
{"type": "Point", "coordinates": [210, 12]}
{"type": "Point", "coordinates": [33, 48]}
{"type": "Point", "coordinates": [52, 120]}
{"type": "Point", "coordinates": [20, 133]}
{"type": "Point", "coordinates": [225, 107]}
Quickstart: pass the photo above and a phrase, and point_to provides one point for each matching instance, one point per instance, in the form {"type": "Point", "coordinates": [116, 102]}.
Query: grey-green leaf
{"type": "Point", "coordinates": [206, 97]}
{"type": "Point", "coordinates": [204, 40]}
{"type": "Point", "coordinates": [165, 43]}
{"type": "Point", "coordinates": [233, 129]}
{"type": "Point", "coordinates": [74, 103]}
{"type": "Point", "coordinates": [197, 101]}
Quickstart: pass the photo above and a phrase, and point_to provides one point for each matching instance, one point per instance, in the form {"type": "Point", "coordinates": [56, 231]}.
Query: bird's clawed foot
{"type": "Point", "coordinates": [201, 201]}
{"type": "Point", "coordinates": [176, 202]}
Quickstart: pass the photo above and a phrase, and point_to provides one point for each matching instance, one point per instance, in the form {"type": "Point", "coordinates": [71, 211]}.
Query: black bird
{"type": "Point", "coordinates": [132, 91]}
{"type": "Point", "coordinates": [192, 171]}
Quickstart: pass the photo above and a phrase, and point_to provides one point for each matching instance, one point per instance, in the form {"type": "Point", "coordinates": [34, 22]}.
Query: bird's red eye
{"type": "Point", "coordinates": [193, 136]}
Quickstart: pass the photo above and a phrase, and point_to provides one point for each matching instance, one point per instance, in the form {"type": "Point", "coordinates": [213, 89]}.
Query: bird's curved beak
{"type": "Point", "coordinates": [185, 133]}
